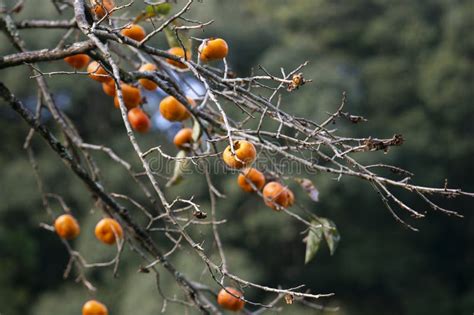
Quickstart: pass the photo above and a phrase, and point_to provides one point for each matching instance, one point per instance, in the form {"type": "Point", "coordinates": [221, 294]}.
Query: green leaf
{"type": "Point", "coordinates": [331, 234]}
{"type": "Point", "coordinates": [309, 187]}
{"type": "Point", "coordinates": [313, 240]}
{"type": "Point", "coordinates": [161, 9]}
{"type": "Point", "coordinates": [152, 11]}
{"type": "Point", "coordinates": [171, 38]}
{"type": "Point", "coordinates": [180, 167]}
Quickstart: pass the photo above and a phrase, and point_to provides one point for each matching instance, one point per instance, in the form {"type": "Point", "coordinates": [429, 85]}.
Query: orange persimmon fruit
{"type": "Point", "coordinates": [183, 137]}
{"type": "Point", "coordinates": [251, 175]}
{"type": "Point", "coordinates": [275, 195]}
{"type": "Point", "coordinates": [146, 83]}
{"type": "Point", "coordinates": [179, 52]}
{"type": "Point", "coordinates": [213, 49]}
{"type": "Point", "coordinates": [78, 61]}
{"type": "Point", "coordinates": [229, 301]}
{"type": "Point", "coordinates": [139, 120]}
{"type": "Point", "coordinates": [109, 88]}
{"type": "Point", "coordinates": [67, 227]}
{"type": "Point", "coordinates": [245, 154]}
{"type": "Point", "coordinates": [93, 307]}
{"type": "Point", "coordinates": [173, 110]}
{"type": "Point", "coordinates": [97, 72]}
{"type": "Point", "coordinates": [108, 230]}
{"type": "Point", "coordinates": [101, 7]}
{"type": "Point", "coordinates": [134, 31]}
{"type": "Point", "coordinates": [131, 96]}
{"type": "Point", "coordinates": [291, 198]}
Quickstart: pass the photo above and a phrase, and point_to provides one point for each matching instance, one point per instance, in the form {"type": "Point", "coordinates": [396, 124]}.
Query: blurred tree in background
{"type": "Point", "coordinates": [407, 66]}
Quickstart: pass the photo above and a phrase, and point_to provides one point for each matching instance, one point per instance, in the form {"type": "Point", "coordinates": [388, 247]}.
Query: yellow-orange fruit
{"type": "Point", "coordinates": [107, 230]}
{"type": "Point", "coordinates": [139, 120]}
{"type": "Point", "coordinates": [213, 49]}
{"type": "Point", "coordinates": [134, 31]}
{"type": "Point", "coordinates": [78, 61]}
{"type": "Point", "coordinates": [275, 194]}
{"type": "Point", "coordinates": [96, 72]}
{"type": "Point", "coordinates": [178, 51]}
{"type": "Point", "coordinates": [184, 136]}
{"type": "Point", "coordinates": [100, 9]}
{"type": "Point", "coordinates": [93, 307]}
{"type": "Point", "coordinates": [251, 175]}
{"type": "Point", "coordinates": [67, 227]}
{"type": "Point", "coordinates": [291, 198]}
{"type": "Point", "coordinates": [131, 96]}
{"type": "Point", "coordinates": [172, 109]}
{"type": "Point", "coordinates": [148, 84]}
{"type": "Point", "coordinates": [109, 88]}
{"type": "Point", "coordinates": [245, 154]}
{"type": "Point", "coordinates": [229, 301]}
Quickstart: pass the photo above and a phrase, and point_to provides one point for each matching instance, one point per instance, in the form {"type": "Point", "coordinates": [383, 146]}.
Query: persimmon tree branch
{"type": "Point", "coordinates": [44, 55]}
{"type": "Point", "coordinates": [116, 208]}
{"type": "Point", "coordinates": [46, 24]}
{"type": "Point", "coordinates": [315, 146]}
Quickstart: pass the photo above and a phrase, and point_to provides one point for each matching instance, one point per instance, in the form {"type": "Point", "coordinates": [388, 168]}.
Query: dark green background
{"type": "Point", "coordinates": [407, 66]}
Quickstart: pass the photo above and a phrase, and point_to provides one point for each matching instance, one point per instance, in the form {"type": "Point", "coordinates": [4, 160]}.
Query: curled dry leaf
{"type": "Point", "coordinates": [296, 81]}
{"type": "Point", "coordinates": [181, 165]}
{"type": "Point", "coordinates": [289, 298]}
{"type": "Point", "coordinates": [199, 214]}
{"type": "Point", "coordinates": [309, 187]}
{"type": "Point", "coordinates": [196, 130]}
{"type": "Point", "coordinates": [143, 270]}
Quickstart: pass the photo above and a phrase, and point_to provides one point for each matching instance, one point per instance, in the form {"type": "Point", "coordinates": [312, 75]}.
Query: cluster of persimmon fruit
{"type": "Point", "coordinates": [107, 231]}
{"type": "Point", "coordinates": [170, 108]}
{"type": "Point", "coordinates": [240, 156]}
{"type": "Point", "coordinates": [250, 179]}
{"type": "Point", "coordinates": [228, 298]}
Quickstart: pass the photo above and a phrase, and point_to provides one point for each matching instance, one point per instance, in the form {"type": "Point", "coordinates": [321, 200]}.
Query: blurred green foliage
{"type": "Point", "coordinates": [407, 66]}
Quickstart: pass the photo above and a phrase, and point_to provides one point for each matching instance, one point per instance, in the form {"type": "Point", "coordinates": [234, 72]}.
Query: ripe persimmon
{"type": "Point", "coordinates": [134, 31]}
{"type": "Point", "coordinates": [107, 230]}
{"type": "Point", "coordinates": [229, 301]}
{"type": "Point", "coordinates": [183, 137]}
{"type": "Point", "coordinates": [245, 154]}
{"type": "Point", "coordinates": [148, 84]}
{"type": "Point", "coordinates": [109, 88]}
{"type": "Point", "coordinates": [251, 175]}
{"type": "Point", "coordinates": [67, 227]}
{"type": "Point", "coordinates": [139, 120]}
{"type": "Point", "coordinates": [172, 109]}
{"type": "Point", "coordinates": [96, 72]}
{"type": "Point", "coordinates": [213, 49]}
{"type": "Point", "coordinates": [78, 61]}
{"type": "Point", "coordinates": [101, 7]}
{"type": "Point", "coordinates": [291, 198]}
{"type": "Point", "coordinates": [93, 307]}
{"type": "Point", "coordinates": [131, 96]}
{"type": "Point", "coordinates": [178, 51]}
{"type": "Point", "coordinates": [275, 194]}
